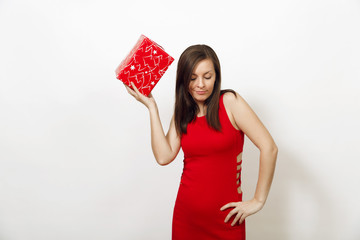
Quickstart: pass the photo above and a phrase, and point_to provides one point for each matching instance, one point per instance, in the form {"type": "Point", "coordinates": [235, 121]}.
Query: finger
{"type": "Point", "coordinates": [135, 88]}
{"type": "Point", "coordinates": [232, 212]}
{"type": "Point", "coordinates": [232, 204]}
{"type": "Point", "coordinates": [131, 92]}
{"type": "Point", "coordinates": [138, 93]}
{"type": "Point", "coordinates": [237, 217]}
{"type": "Point", "coordinates": [128, 88]}
{"type": "Point", "coordinates": [242, 219]}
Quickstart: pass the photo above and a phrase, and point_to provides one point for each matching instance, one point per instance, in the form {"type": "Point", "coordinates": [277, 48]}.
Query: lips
{"type": "Point", "coordinates": [200, 92]}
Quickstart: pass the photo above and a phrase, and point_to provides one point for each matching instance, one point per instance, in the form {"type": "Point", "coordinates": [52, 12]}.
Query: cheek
{"type": "Point", "coordinates": [212, 84]}
{"type": "Point", "coordinates": [191, 85]}
{"type": "Point", "coordinates": [189, 89]}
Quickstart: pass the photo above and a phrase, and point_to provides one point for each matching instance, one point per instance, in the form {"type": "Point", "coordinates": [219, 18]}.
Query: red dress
{"type": "Point", "coordinates": [210, 179]}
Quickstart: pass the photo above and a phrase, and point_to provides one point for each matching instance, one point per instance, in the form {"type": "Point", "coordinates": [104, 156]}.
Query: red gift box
{"type": "Point", "coordinates": [144, 66]}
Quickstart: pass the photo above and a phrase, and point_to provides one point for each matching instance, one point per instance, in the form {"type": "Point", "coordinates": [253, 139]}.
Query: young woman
{"type": "Point", "coordinates": [209, 125]}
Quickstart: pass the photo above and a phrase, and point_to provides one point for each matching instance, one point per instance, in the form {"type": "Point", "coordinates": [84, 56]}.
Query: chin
{"type": "Point", "coordinates": [201, 98]}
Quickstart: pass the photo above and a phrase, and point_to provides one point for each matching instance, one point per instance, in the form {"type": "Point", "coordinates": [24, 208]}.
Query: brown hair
{"type": "Point", "coordinates": [185, 106]}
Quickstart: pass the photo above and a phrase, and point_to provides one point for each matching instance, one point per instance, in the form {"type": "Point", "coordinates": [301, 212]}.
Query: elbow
{"type": "Point", "coordinates": [163, 161]}
{"type": "Point", "coordinates": [273, 149]}
{"type": "Point", "coordinates": [163, 158]}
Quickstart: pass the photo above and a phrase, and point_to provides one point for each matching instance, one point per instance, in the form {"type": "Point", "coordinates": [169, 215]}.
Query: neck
{"type": "Point", "coordinates": [202, 109]}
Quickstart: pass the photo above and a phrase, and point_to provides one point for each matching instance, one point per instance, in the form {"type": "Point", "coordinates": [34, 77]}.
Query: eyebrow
{"type": "Point", "coordinates": [204, 73]}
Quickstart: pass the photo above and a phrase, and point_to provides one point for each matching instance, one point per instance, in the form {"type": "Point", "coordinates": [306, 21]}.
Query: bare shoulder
{"type": "Point", "coordinates": [243, 117]}
{"type": "Point", "coordinates": [232, 103]}
{"type": "Point", "coordinates": [232, 100]}
{"type": "Point", "coordinates": [240, 113]}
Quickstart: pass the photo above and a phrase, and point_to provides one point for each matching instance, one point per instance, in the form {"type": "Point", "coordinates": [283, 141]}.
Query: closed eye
{"type": "Point", "coordinates": [206, 77]}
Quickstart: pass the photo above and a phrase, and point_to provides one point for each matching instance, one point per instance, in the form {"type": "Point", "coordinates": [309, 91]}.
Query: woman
{"type": "Point", "coordinates": [209, 125]}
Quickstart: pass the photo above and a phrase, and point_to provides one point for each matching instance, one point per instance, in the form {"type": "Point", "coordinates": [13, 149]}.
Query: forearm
{"type": "Point", "coordinates": [266, 174]}
{"type": "Point", "coordinates": [159, 143]}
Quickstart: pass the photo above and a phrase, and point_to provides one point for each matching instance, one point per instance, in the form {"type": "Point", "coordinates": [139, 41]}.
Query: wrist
{"type": "Point", "coordinates": [152, 107]}
{"type": "Point", "coordinates": [259, 201]}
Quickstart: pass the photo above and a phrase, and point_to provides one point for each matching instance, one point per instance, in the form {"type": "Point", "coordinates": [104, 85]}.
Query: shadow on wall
{"type": "Point", "coordinates": [298, 206]}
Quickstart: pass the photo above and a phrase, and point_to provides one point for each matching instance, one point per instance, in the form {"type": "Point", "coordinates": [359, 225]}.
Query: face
{"type": "Point", "coordinates": [202, 81]}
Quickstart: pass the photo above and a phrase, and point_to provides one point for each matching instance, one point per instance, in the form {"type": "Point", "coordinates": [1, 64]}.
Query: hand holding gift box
{"type": "Point", "coordinates": [144, 66]}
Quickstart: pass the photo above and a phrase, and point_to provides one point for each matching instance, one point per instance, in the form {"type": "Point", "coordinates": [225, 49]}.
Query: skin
{"type": "Point", "coordinates": [166, 147]}
{"type": "Point", "coordinates": [202, 83]}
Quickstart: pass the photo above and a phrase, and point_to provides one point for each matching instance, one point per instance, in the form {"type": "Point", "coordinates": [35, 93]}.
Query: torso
{"type": "Point", "coordinates": [211, 178]}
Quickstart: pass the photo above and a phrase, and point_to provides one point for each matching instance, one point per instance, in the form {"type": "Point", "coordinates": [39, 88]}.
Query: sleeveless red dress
{"type": "Point", "coordinates": [210, 179]}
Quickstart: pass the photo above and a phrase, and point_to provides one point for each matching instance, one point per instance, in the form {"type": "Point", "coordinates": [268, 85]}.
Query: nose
{"type": "Point", "coordinates": [201, 83]}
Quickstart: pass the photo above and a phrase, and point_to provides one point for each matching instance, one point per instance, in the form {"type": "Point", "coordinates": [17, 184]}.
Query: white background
{"type": "Point", "coordinates": [75, 154]}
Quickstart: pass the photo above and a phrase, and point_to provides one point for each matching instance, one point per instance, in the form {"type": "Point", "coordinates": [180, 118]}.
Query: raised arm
{"type": "Point", "coordinates": [246, 120]}
{"type": "Point", "coordinates": [165, 147]}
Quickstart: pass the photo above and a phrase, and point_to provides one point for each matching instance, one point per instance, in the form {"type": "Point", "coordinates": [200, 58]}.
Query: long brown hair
{"type": "Point", "coordinates": [185, 106]}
